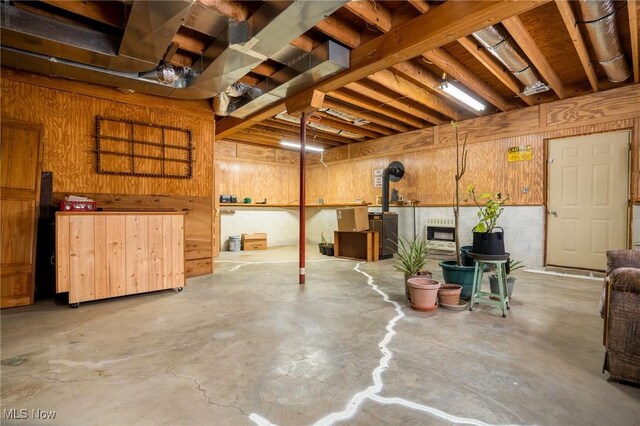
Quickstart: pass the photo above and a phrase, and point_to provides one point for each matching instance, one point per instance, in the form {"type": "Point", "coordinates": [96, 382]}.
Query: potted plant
{"type": "Point", "coordinates": [511, 266]}
{"type": "Point", "coordinates": [322, 246]}
{"type": "Point", "coordinates": [453, 271]}
{"type": "Point", "coordinates": [424, 293]}
{"type": "Point", "coordinates": [486, 238]}
{"type": "Point", "coordinates": [328, 248]}
{"type": "Point", "coordinates": [411, 259]}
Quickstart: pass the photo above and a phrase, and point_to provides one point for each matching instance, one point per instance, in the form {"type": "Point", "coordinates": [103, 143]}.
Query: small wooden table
{"type": "Point", "coordinates": [363, 245]}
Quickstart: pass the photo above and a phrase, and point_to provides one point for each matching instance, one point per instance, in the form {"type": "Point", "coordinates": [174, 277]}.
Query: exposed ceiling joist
{"type": "Point", "coordinates": [292, 129]}
{"type": "Point", "coordinates": [328, 120]}
{"type": "Point", "coordinates": [357, 128]}
{"type": "Point", "coordinates": [421, 5]}
{"type": "Point", "coordinates": [426, 78]}
{"type": "Point", "coordinates": [579, 43]}
{"type": "Point", "coordinates": [340, 31]}
{"type": "Point", "coordinates": [528, 45]}
{"type": "Point", "coordinates": [440, 25]}
{"type": "Point", "coordinates": [360, 101]}
{"type": "Point", "coordinates": [282, 135]}
{"type": "Point", "coordinates": [415, 93]}
{"type": "Point", "coordinates": [236, 10]}
{"type": "Point", "coordinates": [365, 114]}
{"type": "Point", "coordinates": [456, 69]}
{"type": "Point", "coordinates": [497, 69]}
{"type": "Point", "coordinates": [389, 98]}
{"type": "Point", "coordinates": [105, 12]}
{"type": "Point", "coordinates": [372, 13]}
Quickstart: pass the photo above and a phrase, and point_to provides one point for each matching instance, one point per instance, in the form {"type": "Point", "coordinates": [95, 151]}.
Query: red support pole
{"type": "Point", "coordinates": [303, 142]}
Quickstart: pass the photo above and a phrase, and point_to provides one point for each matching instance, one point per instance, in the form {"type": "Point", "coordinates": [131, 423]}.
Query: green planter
{"type": "Point", "coordinates": [462, 275]}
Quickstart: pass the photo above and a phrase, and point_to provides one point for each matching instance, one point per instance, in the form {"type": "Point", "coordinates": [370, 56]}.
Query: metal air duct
{"type": "Point", "coordinates": [599, 19]}
{"type": "Point", "coordinates": [500, 47]}
{"type": "Point", "coordinates": [149, 31]}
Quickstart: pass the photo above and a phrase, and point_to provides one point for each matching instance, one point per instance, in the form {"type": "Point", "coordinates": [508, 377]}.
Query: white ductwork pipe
{"type": "Point", "coordinates": [599, 19]}
{"type": "Point", "coordinates": [502, 48]}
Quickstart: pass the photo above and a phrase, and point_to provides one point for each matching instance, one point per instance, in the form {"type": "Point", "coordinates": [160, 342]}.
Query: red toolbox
{"type": "Point", "coordinates": [77, 206]}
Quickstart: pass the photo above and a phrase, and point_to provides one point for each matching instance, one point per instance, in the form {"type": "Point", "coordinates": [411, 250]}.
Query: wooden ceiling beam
{"type": "Point", "coordinates": [439, 26]}
{"type": "Point", "coordinates": [235, 10]}
{"type": "Point", "coordinates": [339, 30]}
{"type": "Point", "coordinates": [366, 115]}
{"type": "Point", "coordinates": [359, 101]}
{"type": "Point", "coordinates": [390, 98]}
{"type": "Point", "coordinates": [579, 43]}
{"type": "Point", "coordinates": [280, 135]}
{"type": "Point", "coordinates": [371, 127]}
{"type": "Point", "coordinates": [528, 45]}
{"type": "Point", "coordinates": [426, 78]}
{"type": "Point", "coordinates": [496, 68]}
{"type": "Point", "coordinates": [457, 70]}
{"type": "Point", "coordinates": [421, 5]}
{"type": "Point", "coordinates": [409, 90]}
{"type": "Point", "coordinates": [373, 13]}
{"type": "Point", "coordinates": [295, 129]}
{"type": "Point", "coordinates": [304, 42]}
{"type": "Point", "coordinates": [328, 120]}
{"type": "Point", "coordinates": [103, 12]}
{"type": "Point", "coordinates": [189, 44]}
{"type": "Point", "coordinates": [632, 8]}
{"type": "Point", "coordinates": [246, 140]}
{"type": "Point", "coordinates": [264, 69]}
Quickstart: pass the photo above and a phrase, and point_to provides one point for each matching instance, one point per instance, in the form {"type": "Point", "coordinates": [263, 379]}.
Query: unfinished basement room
{"type": "Point", "coordinates": [320, 212]}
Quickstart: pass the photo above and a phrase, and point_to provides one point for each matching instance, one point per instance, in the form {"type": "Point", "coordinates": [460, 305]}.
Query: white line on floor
{"type": "Point", "coordinates": [371, 392]}
{"type": "Point", "coordinates": [245, 263]}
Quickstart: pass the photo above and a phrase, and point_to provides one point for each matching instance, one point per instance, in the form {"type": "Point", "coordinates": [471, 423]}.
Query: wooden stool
{"type": "Point", "coordinates": [482, 261]}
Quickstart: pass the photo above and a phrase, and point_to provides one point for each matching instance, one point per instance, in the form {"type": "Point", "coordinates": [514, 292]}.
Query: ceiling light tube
{"type": "Point", "coordinates": [461, 96]}
{"type": "Point", "coordinates": [298, 146]}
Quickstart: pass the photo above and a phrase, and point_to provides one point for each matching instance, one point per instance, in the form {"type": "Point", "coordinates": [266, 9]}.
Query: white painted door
{"type": "Point", "coordinates": [588, 199]}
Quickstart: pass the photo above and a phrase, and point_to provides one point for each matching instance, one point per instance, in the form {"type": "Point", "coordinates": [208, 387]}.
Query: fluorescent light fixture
{"type": "Point", "coordinates": [461, 96]}
{"type": "Point", "coordinates": [298, 146]}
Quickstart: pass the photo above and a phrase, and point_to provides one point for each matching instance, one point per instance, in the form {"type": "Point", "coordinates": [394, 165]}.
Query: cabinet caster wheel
{"type": "Point", "coordinates": [179, 289]}
{"type": "Point", "coordinates": [74, 305]}
{"type": "Point", "coordinates": [504, 315]}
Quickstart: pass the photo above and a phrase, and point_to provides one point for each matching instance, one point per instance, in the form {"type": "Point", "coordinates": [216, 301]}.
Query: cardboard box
{"type": "Point", "coordinates": [353, 218]}
{"type": "Point", "coordinates": [256, 241]}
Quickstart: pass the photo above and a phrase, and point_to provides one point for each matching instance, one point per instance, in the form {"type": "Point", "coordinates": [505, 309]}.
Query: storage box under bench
{"type": "Point", "coordinates": [255, 241]}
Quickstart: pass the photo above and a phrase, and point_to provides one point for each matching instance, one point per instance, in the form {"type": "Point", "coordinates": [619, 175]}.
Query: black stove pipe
{"type": "Point", "coordinates": [396, 170]}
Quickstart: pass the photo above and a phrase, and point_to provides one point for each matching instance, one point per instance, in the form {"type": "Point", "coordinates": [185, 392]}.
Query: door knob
{"type": "Point", "coordinates": [553, 212]}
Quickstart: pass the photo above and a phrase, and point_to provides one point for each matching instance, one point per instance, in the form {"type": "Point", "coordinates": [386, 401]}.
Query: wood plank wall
{"type": "Point", "coordinates": [429, 154]}
{"type": "Point", "coordinates": [257, 172]}
{"type": "Point", "coordinates": [67, 111]}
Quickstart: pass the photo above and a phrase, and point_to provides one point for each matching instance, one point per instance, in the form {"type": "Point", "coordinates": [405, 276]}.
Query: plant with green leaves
{"type": "Point", "coordinates": [490, 207]}
{"type": "Point", "coordinates": [512, 265]}
{"type": "Point", "coordinates": [412, 255]}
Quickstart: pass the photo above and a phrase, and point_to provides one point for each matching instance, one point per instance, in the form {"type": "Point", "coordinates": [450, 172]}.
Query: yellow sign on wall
{"type": "Point", "coordinates": [519, 153]}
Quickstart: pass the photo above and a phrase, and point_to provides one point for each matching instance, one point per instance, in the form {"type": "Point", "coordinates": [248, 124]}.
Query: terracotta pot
{"type": "Point", "coordinates": [449, 294]}
{"type": "Point", "coordinates": [424, 293]}
{"type": "Point", "coordinates": [421, 274]}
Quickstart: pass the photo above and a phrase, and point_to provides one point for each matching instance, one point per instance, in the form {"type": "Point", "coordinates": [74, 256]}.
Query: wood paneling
{"type": "Point", "coordinates": [113, 254]}
{"type": "Point", "coordinates": [602, 106]}
{"type": "Point", "coordinates": [428, 156]}
{"type": "Point", "coordinates": [253, 152]}
{"type": "Point", "coordinates": [259, 180]}
{"type": "Point", "coordinates": [198, 219]}
{"type": "Point", "coordinates": [67, 110]}
{"type": "Point", "coordinates": [68, 121]}
{"type": "Point", "coordinates": [225, 149]}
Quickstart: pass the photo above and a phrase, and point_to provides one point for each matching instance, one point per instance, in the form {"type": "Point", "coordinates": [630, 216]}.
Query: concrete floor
{"type": "Point", "coordinates": [248, 345]}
